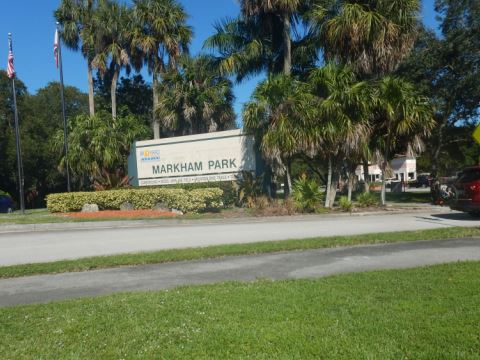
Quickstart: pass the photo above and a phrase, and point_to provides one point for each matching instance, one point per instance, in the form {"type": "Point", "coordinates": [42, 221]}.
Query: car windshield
{"type": "Point", "coordinates": [470, 175]}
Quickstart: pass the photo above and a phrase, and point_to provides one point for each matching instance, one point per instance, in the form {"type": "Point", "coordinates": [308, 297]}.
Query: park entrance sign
{"type": "Point", "coordinates": [219, 156]}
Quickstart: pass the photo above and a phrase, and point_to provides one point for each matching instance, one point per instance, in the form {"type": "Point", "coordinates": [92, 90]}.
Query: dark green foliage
{"type": "Point", "coordinates": [40, 118]}
{"type": "Point", "coordinates": [196, 99]}
{"type": "Point", "coordinates": [367, 199]}
{"type": "Point", "coordinates": [306, 194]}
{"type": "Point", "coordinates": [345, 204]}
{"type": "Point", "coordinates": [133, 93]}
{"type": "Point", "coordinates": [229, 188]}
{"type": "Point", "coordinates": [248, 187]}
{"type": "Point", "coordinates": [146, 198]}
{"type": "Point", "coordinates": [447, 69]}
{"type": "Point", "coordinates": [100, 143]}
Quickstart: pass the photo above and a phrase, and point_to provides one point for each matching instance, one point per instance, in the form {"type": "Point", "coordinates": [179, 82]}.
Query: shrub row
{"type": "Point", "coordinates": [229, 196]}
{"type": "Point", "coordinates": [184, 200]}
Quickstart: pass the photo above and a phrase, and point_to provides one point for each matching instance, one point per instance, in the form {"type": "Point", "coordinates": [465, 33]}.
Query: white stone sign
{"type": "Point", "coordinates": [218, 156]}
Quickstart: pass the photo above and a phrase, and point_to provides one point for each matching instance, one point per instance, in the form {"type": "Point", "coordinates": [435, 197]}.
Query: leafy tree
{"type": "Point", "coordinates": [132, 92]}
{"type": "Point", "coordinates": [42, 118]}
{"type": "Point", "coordinates": [446, 69]}
{"type": "Point", "coordinates": [195, 99]}
{"type": "Point", "coordinates": [8, 160]}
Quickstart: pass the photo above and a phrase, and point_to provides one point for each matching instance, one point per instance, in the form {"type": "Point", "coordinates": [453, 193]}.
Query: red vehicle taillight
{"type": "Point", "coordinates": [474, 187]}
{"type": "Point", "coordinates": [472, 191]}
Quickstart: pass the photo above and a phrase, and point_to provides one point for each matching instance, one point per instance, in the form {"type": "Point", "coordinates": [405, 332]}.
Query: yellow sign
{"type": "Point", "coordinates": [476, 134]}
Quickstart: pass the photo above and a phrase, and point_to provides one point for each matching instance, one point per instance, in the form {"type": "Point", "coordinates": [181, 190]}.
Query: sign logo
{"type": "Point", "coordinates": [149, 155]}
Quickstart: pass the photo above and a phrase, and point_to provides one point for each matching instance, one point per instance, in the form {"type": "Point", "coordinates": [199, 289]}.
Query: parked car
{"type": "Point", "coordinates": [6, 203]}
{"type": "Point", "coordinates": [466, 191]}
{"type": "Point", "coordinates": [423, 181]}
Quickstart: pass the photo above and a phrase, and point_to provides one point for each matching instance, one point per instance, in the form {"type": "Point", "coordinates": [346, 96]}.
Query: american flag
{"type": "Point", "coordinates": [10, 68]}
{"type": "Point", "coordinates": [55, 47]}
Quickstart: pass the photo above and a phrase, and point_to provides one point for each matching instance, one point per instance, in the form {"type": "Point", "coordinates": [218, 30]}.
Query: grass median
{"type": "Point", "coordinates": [424, 313]}
{"type": "Point", "coordinates": [164, 256]}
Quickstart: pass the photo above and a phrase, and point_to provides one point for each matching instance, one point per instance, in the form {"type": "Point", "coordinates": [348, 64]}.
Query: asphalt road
{"type": "Point", "coordinates": [46, 246]}
{"type": "Point", "coordinates": [291, 265]}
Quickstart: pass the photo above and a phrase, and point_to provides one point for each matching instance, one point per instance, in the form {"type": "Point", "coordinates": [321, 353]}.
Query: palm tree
{"type": "Point", "coordinates": [343, 122]}
{"type": "Point", "coordinates": [374, 36]}
{"type": "Point", "coordinates": [281, 12]}
{"type": "Point", "coordinates": [405, 118]}
{"type": "Point", "coordinates": [79, 32]}
{"type": "Point", "coordinates": [160, 35]}
{"type": "Point", "coordinates": [195, 98]}
{"type": "Point", "coordinates": [112, 26]}
{"type": "Point", "coordinates": [280, 114]}
{"type": "Point", "coordinates": [260, 39]}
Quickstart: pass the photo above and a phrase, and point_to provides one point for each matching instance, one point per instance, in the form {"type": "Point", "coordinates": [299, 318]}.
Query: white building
{"type": "Point", "coordinates": [403, 169]}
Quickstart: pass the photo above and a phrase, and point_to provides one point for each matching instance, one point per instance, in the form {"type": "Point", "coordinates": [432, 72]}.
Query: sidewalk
{"type": "Point", "coordinates": [111, 224]}
{"type": "Point", "coordinates": [289, 265]}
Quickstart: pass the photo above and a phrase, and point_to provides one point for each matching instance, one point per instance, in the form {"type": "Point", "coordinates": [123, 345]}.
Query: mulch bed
{"type": "Point", "coordinates": [120, 214]}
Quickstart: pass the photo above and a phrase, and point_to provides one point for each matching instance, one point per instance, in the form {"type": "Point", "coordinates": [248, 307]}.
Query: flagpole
{"type": "Point", "coordinates": [62, 97]}
{"type": "Point", "coordinates": [17, 140]}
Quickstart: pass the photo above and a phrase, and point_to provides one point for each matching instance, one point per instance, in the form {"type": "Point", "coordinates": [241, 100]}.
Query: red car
{"type": "Point", "coordinates": [467, 191]}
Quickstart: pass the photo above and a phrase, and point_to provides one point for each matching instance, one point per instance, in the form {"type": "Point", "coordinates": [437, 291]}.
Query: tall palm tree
{"type": "Point", "coordinates": [160, 35]}
{"type": "Point", "coordinates": [260, 39]}
{"type": "Point", "coordinates": [79, 32]}
{"type": "Point", "coordinates": [195, 98]}
{"type": "Point", "coordinates": [372, 35]}
{"type": "Point", "coordinates": [343, 120]}
{"type": "Point", "coordinates": [405, 118]}
{"type": "Point", "coordinates": [282, 12]}
{"type": "Point", "coordinates": [112, 21]}
{"type": "Point", "coordinates": [280, 114]}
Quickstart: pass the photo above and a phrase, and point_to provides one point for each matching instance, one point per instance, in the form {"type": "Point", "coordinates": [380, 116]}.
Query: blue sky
{"type": "Point", "coordinates": [32, 24]}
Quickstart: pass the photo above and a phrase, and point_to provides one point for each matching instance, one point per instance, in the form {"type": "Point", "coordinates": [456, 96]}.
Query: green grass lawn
{"type": "Point", "coordinates": [426, 313]}
{"type": "Point", "coordinates": [235, 249]}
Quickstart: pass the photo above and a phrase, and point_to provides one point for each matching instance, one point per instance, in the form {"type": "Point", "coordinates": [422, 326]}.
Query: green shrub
{"type": "Point", "coordinates": [186, 201]}
{"type": "Point", "coordinates": [247, 188]}
{"type": "Point", "coordinates": [367, 199]}
{"type": "Point", "coordinates": [306, 194]}
{"type": "Point", "coordinates": [345, 204]}
{"type": "Point", "coordinates": [229, 196]}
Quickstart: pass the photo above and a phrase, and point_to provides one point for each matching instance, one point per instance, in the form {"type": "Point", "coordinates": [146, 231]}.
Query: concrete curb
{"type": "Point", "coordinates": [90, 225]}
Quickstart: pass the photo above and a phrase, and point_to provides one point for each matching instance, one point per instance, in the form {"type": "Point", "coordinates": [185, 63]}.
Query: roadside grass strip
{"type": "Point", "coordinates": [164, 256]}
{"type": "Point", "coordinates": [423, 313]}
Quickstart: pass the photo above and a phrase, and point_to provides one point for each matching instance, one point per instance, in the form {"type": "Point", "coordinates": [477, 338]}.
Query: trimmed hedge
{"type": "Point", "coordinates": [229, 192]}
{"type": "Point", "coordinates": [186, 201]}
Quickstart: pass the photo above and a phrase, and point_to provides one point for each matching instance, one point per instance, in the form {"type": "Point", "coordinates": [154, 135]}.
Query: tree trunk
{"type": "Point", "coordinates": [383, 200]}
{"type": "Point", "coordinates": [333, 188]}
{"type": "Point", "coordinates": [438, 148]}
{"type": "Point", "coordinates": [155, 121]}
{"type": "Point", "coordinates": [91, 100]}
{"type": "Point", "coordinates": [329, 182]}
{"type": "Point", "coordinates": [287, 45]}
{"type": "Point", "coordinates": [366, 185]}
{"type": "Point", "coordinates": [113, 91]}
{"type": "Point", "coordinates": [351, 178]}
{"type": "Point", "coordinates": [288, 181]}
